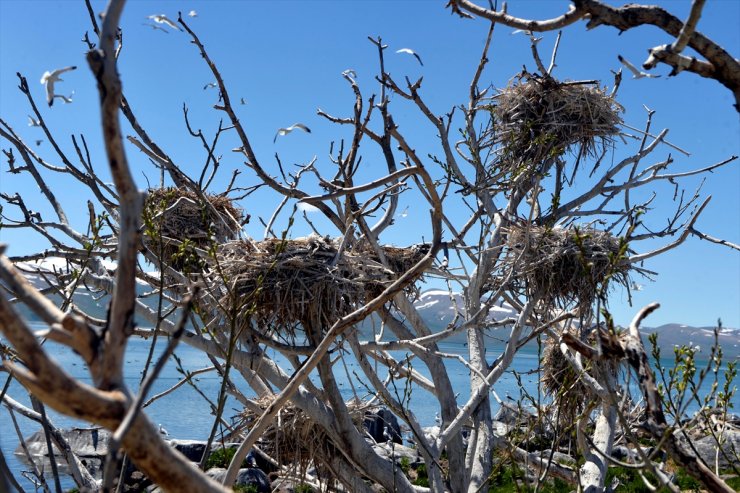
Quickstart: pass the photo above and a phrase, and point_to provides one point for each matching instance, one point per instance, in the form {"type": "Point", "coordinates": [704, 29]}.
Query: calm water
{"type": "Point", "coordinates": [187, 415]}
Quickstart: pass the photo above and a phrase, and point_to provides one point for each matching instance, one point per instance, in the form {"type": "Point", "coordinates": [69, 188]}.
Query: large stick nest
{"type": "Point", "coordinates": [183, 221]}
{"type": "Point", "coordinates": [282, 283]}
{"type": "Point", "coordinates": [564, 266]}
{"type": "Point", "coordinates": [294, 439]}
{"type": "Point", "coordinates": [565, 385]}
{"type": "Point", "coordinates": [539, 119]}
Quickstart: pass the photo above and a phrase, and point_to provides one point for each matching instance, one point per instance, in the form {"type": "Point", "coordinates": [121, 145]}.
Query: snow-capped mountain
{"type": "Point", "coordinates": [438, 308]}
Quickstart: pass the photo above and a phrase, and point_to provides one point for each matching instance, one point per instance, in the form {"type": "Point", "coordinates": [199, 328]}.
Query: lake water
{"type": "Point", "coordinates": [187, 415]}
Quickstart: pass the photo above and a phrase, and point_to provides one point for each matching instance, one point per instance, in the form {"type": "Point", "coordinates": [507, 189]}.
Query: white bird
{"type": "Point", "coordinates": [285, 131]}
{"type": "Point", "coordinates": [156, 27]}
{"type": "Point", "coordinates": [163, 19]}
{"type": "Point", "coordinates": [32, 122]}
{"type": "Point", "coordinates": [210, 85]}
{"type": "Point", "coordinates": [51, 78]}
{"type": "Point", "coordinates": [405, 212]}
{"type": "Point", "coordinates": [636, 74]}
{"type": "Point", "coordinates": [66, 99]}
{"type": "Point", "coordinates": [192, 13]}
{"type": "Point", "coordinates": [411, 52]}
{"type": "Point", "coordinates": [350, 73]}
{"type": "Point", "coordinates": [637, 287]}
{"type": "Point", "coordinates": [162, 431]}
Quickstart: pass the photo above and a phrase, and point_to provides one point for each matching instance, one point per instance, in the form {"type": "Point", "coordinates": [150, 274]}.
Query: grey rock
{"type": "Point", "coordinates": [399, 452]}
{"type": "Point", "coordinates": [728, 451]}
{"type": "Point", "coordinates": [246, 477]}
{"type": "Point", "coordinates": [382, 425]}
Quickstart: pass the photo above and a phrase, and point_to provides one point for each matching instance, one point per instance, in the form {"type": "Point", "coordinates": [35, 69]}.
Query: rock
{"type": "Point", "coordinates": [727, 456]}
{"type": "Point", "coordinates": [282, 485]}
{"type": "Point", "coordinates": [399, 452]}
{"type": "Point", "coordinates": [192, 449]}
{"type": "Point", "coordinates": [246, 477]}
{"type": "Point", "coordinates": [382, 425]}
{"type": "Point", "coordinates": [510, 414]}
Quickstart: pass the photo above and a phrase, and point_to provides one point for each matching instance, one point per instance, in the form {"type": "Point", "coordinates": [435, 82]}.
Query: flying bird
{"type": "Point", "coordinates": [38, 142]}
{"type": "Point", "coordinates": [66, 99]}
{"type": "Point", "coordinates": [32, 122]}
{"type": "Point", "coordinates": [350, 73]}
{"type": "Point", "coordinates": [192, 13]}
{"type": "Point", "coordinates": [155, 27]}
{"type": "Point", "coordinates": [242, 101]}
{"type": "Point", "coordinates": [163, 19]}
{"type": "Point", "coordinates": [210, 85]}
{"type": "Point", "coordinates": [636, 74]}
{"type": "Point", "coordinates": [411, 52]}
{"type": "Point", "coordinates": [162, 431]}
{"type": "Point", "coordinates": [51, 78]}
{"type": "Point", "coordinates": [285, 131]}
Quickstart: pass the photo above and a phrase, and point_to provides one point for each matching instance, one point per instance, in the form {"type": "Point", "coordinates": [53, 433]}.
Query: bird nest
{"type": "Point", "coordinates": [565, 384]}
{"type": "Point", "coordinates": [178, 221]}
{"type": "Point", "coordinates": [294, 439]}
{"type": "Point", "coordinates": [564, 266]}
{"type": "Point", "coordinates": [307, 282]}
{"type": "Point", "coordinates": [537, 120]}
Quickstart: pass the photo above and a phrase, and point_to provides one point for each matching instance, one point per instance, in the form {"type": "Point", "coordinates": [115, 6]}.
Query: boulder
{"type": "Point", "coordinates": [398, 452]}
{"type": "Point", "coordinates": [726, 453]}
{"type": "Point", "coordinates": [382, 425]}
{"type": "Point", "coordinates": [247, 477]}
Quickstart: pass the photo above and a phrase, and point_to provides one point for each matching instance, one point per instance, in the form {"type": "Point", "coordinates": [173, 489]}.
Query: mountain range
{"type": "Point", "coordinates": [439, 308]}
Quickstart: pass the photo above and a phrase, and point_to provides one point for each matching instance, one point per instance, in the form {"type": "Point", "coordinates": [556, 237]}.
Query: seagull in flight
{"type": "Point", "coordinates": [285, 131]}
{"type": "Point", "coordinates": [210, 85]}
{"type": "Point", "coordinates": [51, 78]}
{"type": "Point", "coordinates": [155, 27]}
{"type": "Point", "coordinates": [411, 52]}
{"type": "Point", "coordinates": [163, 19]}
{"type": "Point", "coordinates": [636, 74]}
{"type": "Point", "coordinates": [192, 13]}
{"type": "Point", "coordinates": [32, 122]}
{"type": "Point", "coordinates": [66, 99]}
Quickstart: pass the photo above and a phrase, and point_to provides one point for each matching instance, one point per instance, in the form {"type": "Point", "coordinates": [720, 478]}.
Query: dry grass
{"type": "Point", "coordinates": [539, 119]}
{"type": "Point", "coordinates": [564, 267]}
{"type": "Point", "coordinates": [182, 221]}
{"type": "Point", "coordinates": [282, 283]}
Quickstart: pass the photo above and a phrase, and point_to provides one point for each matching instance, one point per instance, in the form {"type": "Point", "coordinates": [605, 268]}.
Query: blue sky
{"type": "Point", "coordinates": [285, 59]}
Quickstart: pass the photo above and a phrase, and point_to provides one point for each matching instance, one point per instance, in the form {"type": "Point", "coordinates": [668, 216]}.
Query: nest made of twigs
{"type": "Point", "coordinates": [537, 119]}
{"type": "Point", "coordinates": [294, 439]}
{"type": "Point", "coordinates": [306, 281]}
{"type": "Point", "coordinates": [564, 266]}
{"type": "Point", "coordinates": [183, 221]}
{"type": "Point", "coordinates": [565, 385]}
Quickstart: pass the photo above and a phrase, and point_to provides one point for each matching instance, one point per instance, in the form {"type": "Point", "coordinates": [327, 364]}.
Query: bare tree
{"type": "Point", "coordinates": [718, 64]}
{"type": "Point", "coordinates": [548, 251]}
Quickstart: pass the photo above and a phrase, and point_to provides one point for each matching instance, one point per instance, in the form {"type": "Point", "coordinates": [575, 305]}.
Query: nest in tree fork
{"type": "Point", "coordinates": [565, 385]}
{"type": "Point", "coordinates": [283, 283]}
{"type": "Point", "coordinates": [539, 119]}
{"type": "Point", "coordinates": [564, 266]}
{"type": "Point", "coordinates": [294, 439]}
{"type": "Point", "coordinates": [182, 220]}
